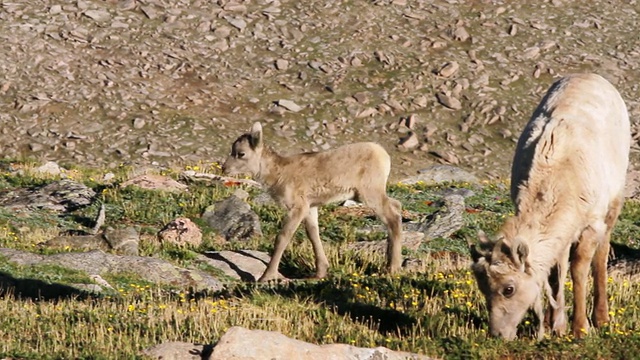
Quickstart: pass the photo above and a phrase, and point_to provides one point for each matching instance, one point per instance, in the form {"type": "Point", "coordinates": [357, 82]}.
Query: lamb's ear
{"type": "Point", "coordinates": [256, 135]}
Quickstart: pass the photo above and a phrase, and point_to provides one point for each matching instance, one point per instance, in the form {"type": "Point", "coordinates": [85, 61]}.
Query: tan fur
{"type": "Point", "coordinates": [567, 185]}
{"type": "Point", "coordinates": [302, 182]}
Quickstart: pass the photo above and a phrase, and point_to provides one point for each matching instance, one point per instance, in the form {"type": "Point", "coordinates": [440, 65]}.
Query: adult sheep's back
{"type": "Point", "coordinates": [588, 143]}
{"type": "Point", "coordinates": [567, 185]}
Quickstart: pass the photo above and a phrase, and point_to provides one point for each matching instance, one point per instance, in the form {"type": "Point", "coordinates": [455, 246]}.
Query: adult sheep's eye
{"type": "Point", "coordinates": [508, 291]}
{"type": "Point", "coordinates": [241, 155]}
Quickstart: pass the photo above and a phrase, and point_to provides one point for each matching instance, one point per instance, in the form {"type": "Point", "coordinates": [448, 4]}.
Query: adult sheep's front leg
{"type": "Point", "coordinates": [580, 265]}
{"type": "Point", "coordinates": [291, 223]}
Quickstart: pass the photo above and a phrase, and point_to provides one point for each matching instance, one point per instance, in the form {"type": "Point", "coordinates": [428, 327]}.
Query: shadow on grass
{"type": "Point", "coordinates": [38, 289]}
{"type": "Point", "coordinates": [341, 296]}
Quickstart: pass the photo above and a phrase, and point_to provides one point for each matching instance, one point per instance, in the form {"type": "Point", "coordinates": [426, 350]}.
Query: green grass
{"type": "Point", "coordinates": [438, 311]}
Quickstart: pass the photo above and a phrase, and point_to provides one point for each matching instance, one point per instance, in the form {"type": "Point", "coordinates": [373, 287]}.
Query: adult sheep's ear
{"type": "Point", "coordinates": [521, 254]}
{"type": "Point", "coordinates": [476, 253]}
{"type": "Point", "coordinates": [256, 135]}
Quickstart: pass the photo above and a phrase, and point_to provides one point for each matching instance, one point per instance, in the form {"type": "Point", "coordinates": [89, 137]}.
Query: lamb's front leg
{"type": "Point", "coordinates": [313, 233]}
{"type": "Point", "coordinates": [291, 223]}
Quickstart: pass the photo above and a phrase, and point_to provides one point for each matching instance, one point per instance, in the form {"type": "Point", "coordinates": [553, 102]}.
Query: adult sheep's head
{"type": "Point", "coordinates": [246, 153]}
{"type": "Point", "coordinates": [504, 277]}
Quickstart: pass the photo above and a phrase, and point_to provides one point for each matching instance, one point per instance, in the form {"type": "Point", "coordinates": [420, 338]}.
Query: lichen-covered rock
{"type": "Point", "coordinates": [181, 231]}
{"type": "Point", "coordinates": [62, 195]}
{"type": "Point", "coordinates": [233, 219]}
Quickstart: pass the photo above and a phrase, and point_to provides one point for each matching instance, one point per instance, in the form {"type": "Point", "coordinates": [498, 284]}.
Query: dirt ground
{"type": "Point", "coordinates": [172, 83]}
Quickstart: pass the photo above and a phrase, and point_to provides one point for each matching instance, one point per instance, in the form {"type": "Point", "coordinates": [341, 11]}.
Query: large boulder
{"type": "Point", "coordinates": [233, 219]}
{"type": "Point", "coordinates": [243, 344]}
{"type": "Point", "coordinates": [62, 195]}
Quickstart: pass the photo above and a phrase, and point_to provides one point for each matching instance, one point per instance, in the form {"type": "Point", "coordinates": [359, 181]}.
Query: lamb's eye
{"type": "Point", "coordinates": [241, 155]}
{"type": "Point", "coordinates": [508, 291]}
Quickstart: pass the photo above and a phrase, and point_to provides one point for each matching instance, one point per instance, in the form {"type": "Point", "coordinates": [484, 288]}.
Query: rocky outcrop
{"type": "Point", "coordinates": [122, 241]}
{"type": "Point", "coordinates": [99, 263]}
{"type": "Point", "coordinates": [62, 196]}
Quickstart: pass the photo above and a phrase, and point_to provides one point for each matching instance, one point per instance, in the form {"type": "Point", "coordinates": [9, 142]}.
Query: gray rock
{"type": "Point", "coordinates": [233, 219]}
{"type": "Point", "coordinates": [441, 173]}
{"type": "Point", "coordinates": [49, 168]}
{"type": "Point", "coordinates": [124, 241]}
{"type": "Point", "coordinates": [63, 195]}
{"type": "Point", "coordinates": [246, 265]}
{"type": "Point", "coordinates": [446, 220]}
{"type": "Point", "coordinates": [98, 15]}
{"type": "Point", "coordinates": [99, 263]}
{"type": "Point", "coordinates": [289, 105]}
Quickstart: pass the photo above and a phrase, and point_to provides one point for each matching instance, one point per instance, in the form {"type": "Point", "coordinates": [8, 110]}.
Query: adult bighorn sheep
{"type": "Point", "coordinates": [567, 184]}
{"type": "Point", "coordinates": [302, 182]}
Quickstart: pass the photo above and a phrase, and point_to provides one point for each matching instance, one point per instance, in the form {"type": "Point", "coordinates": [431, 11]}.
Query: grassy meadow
{"type": "Point", "coordinates": [437, 311]}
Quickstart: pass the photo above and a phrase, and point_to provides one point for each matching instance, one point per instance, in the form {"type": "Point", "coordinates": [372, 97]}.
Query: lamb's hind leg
{"type": "Point", "coordinates": [389, 212]}
{"type": "Point", "coordinates": [291, 223]}
{"type": "Point", "coordinates": [600, 314]}
{"type": "Point", "coordinates": [313, 233]}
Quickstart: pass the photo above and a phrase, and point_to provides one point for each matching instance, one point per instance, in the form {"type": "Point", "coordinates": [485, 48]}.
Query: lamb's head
{"type": "Point", "coordinates": [246, 153]}
{"type": "Point", "coordinates": [504, 277]}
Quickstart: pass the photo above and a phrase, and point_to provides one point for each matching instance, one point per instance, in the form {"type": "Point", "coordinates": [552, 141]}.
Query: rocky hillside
{"type": "Point", "coordinates": [171, 82]}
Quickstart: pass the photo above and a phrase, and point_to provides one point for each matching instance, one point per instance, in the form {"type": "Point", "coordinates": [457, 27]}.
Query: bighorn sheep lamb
{"type": "Point", "coordinates": [302, 182]}
{"type": "Point", "coordinates": [567, 185]}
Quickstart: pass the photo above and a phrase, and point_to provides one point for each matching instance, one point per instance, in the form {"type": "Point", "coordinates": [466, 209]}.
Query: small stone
{"type": "Point", "coordinates": [531, 53]}
{"type": "Point", "coordinates": [449, 101]}
{"type": "Point", "coordinates": [461, 34]}
{"type": "Point", "coordinates": [289, 105]}
{"type": "Point", "coordinates": [449, 69]}
{"type": "Point", "coordinates": [150, 12]}
{"type": "Point", "coordinates": [55, 9]}
{"type": "Point", "coordinates": [237, 23]}
{"type": "Point", "coordinates": [98, 15]}
{"type": "Point", "coordinates": [138, 123]}
{"type": "Point", "coordinates": [282, 64]}
{"type": "Point", "coordinates": [409, 142]}
{"type": "Point", "coordinates": [222, 31]}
